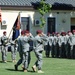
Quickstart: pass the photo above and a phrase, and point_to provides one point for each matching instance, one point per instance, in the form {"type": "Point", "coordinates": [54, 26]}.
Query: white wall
{"type": "Point", "coordinates": [10, 17]}
{"type": "Point", "coordinates": [60, 25]}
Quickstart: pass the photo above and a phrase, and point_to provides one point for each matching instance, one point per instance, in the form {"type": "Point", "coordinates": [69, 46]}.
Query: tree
{"type": "Point", "coordinates": [43, 8]}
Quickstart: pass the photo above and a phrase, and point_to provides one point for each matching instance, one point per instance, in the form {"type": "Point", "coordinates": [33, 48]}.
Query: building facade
{"type": "Point", "coordinates": [60, 18]}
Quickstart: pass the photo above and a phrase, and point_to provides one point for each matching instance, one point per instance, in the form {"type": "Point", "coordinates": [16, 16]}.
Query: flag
{"type": "Point", "coordinates": [16, 28]}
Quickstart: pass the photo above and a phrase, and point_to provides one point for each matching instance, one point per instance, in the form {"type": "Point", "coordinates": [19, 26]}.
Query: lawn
{"type": "Point", "coordinates": [51, 66]}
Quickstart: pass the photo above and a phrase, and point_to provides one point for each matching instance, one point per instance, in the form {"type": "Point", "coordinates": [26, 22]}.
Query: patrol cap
{"type": "Point", "coordinates": [69, 32]}
{"type": "Point", "coordinates": [53, 33]}
{"type": "Point", "coordinates": [22, 32]}
{"type": "Point", "coordinates": [62, 33]}
{"type": "Point", "coordinates": [4, 32]}
{"type": "Point", "coordinates": [48, 33]}
{"type": "Point", "coordinates": [57, 33]}
{"type": "Point", "coordinates": [26, 31]}
{"type": "Point", "coordinates": [39, 31]}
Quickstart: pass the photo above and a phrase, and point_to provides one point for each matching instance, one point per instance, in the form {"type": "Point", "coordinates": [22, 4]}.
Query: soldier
{"type": "Point", "coordinates": [38, 43]}
{"type": "Point", "coordinates": [70, 44]}
{"type": "Point", "coordinates": [68, 47]}
{"type": "Point", "coordinates": [0, 44]}
{"type": "Point", "coordinates": [58, 46]}
{"type": "Point", "coordinates": [47, 47]}
{"type": "Point", "coordinates": [54, 42]}
{"type": "Point", "coordinates": [21, 60]}
{"type": "Point", "coordinates": [50, 46]}
{"type": "Point", "coordinates": [4, 41]}
{"type": "Point", "coordinates": [63, 45]}
{"type": "Point", "coordinates": [73, 43]}
{"type": "Point", "coordinates": [25, 47]}
{"type": "Point", "coordinates": [13, 45]}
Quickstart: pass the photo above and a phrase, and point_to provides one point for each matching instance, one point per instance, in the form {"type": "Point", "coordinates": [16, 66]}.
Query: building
{"type": "Point", "coordinates": [60, 18]}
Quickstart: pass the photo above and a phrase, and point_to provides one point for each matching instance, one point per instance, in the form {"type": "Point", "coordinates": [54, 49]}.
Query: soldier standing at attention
{"type": "Point", "coordinates": [58, 46]}
{"type": "Point", "coordinates": [4, 41]}
{"type": "Point", "coordinates": [63, 45]}
{"type": "Point", "coordinates": [73, 43]}
{"type": "Point", "coordinates": [68, 46]}
{"type": "Point", "coordinates": [70, 42]}
{"type": "Point", "coordinates": [50, 46]}
{"type": "Point", "coordinates": [54, 43]}
{"type": "Point", "coordinates": [38, 43]}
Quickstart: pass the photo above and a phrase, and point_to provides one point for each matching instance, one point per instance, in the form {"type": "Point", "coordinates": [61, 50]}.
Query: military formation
{"type": "Point", "coordinates": [55, 45]}
{"type": "Point", "coordinates": [61, 45]}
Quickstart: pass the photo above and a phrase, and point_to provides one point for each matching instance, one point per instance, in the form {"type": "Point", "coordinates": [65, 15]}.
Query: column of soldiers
{"type": "Point", "coordinates": [61, 45]}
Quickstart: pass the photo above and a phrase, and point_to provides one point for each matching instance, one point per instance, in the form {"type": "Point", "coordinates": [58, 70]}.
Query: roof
{"type": "Point", "coordinates": [28, 2]}
{"type": "Point", "coordinates": [56, 4]}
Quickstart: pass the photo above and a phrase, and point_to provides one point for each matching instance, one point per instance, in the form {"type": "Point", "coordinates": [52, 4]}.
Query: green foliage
{"type": "Point", "coordinates": [42, 21]}
{"type": "Point", "coordinates": [43, 9]}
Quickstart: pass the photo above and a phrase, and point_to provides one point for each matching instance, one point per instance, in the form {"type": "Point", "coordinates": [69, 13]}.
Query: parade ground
{"type": "Point", "coordinates": [51, 66]}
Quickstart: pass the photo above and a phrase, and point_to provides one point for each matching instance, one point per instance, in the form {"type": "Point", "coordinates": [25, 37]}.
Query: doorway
{"type": "Point", "coordinates": [51, 24]}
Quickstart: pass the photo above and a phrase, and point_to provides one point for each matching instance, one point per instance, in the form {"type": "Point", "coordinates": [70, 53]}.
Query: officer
{"type": "Point", "coordinates": [38, 43]}
{"type": "Point", "coordinates": [4, 41]}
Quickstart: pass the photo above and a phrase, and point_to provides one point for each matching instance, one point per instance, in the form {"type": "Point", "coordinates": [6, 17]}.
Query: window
{"type": "Point", "coordinates": [24, 23]}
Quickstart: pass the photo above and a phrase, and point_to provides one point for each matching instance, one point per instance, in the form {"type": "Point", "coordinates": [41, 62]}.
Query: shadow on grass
{"type": "Point", "coordinates": [1, 61]}
{"type": "Point", "coordinates": [14, 70]}
{"type": "Point", "coordinates": [20, 70]}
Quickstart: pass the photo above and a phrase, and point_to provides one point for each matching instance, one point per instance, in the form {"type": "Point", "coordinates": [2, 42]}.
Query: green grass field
{"type": "Point", "coordinates": [51, 66]}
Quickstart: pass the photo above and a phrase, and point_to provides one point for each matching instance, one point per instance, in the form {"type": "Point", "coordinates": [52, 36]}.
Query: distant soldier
{"type": "Point", "coordinates": [38, 43]}
{"type": "Point", "coordinates": [70, 44]}
{"type": "Point", "coordinates": [49, 48]}
{"type": "Point", "coordinates": [73, 43]}
{"type": "Point", "coordinates": [63, 45]}
{"type": "Point", "coordinates": [4, 41]}
{"type": "Point", "coordinates": [58, 46]}
{"type": "Point", "coordinates": [54, 43]}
